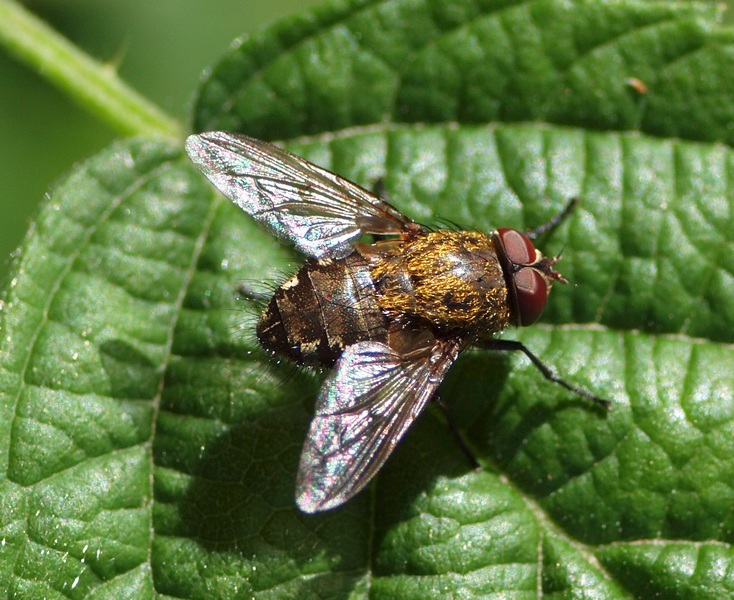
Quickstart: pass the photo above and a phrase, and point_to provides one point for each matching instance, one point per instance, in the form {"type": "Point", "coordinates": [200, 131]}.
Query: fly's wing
{"type": "Point", "coordinates": [321, 214]}
{"type": "Point", "coordinates": [363, 409]}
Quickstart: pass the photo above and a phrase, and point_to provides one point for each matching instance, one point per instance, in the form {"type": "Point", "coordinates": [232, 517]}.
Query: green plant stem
{"type": "Point", "coordinates": [94, 85]}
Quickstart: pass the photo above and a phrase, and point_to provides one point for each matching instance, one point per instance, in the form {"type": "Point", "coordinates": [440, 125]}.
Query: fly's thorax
{"type": "Point", "coordinates": [451, 279]}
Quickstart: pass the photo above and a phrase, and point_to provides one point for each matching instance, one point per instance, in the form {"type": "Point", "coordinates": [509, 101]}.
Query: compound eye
{"type": "Point", "coordinates": [532, 294]}
{"type": "Point", "coordinates": [518, 247]}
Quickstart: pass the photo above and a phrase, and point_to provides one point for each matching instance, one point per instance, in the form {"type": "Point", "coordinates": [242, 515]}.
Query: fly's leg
{"type": "Point", "coordinates": [455, 431]}
{"type": "Point", "coordinates": [379, 189]}
{"type": "Point", "coordinates": [554, 222]}
{"type": "Point", "coordinates": [512, 345]}
{"type": "Point", "coordinates": [247, 291]}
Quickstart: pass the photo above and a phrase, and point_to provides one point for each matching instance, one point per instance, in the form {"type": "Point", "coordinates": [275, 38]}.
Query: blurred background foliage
{"type": "Point", "coordinates": [160, 48]}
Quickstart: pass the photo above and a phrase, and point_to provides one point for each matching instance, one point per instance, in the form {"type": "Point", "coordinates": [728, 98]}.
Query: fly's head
{"type": "Point", "coordinates": [529, 275]}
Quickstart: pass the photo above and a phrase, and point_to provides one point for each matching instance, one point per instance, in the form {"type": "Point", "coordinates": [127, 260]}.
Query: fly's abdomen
{"type": "Point", "coordinates": [325, 307]}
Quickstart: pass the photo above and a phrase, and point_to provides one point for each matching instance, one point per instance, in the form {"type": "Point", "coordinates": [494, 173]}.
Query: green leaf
{"type": "Point", "coordinates": [150, 448]}
{"type": "Point", "coordinates": [377, 61]}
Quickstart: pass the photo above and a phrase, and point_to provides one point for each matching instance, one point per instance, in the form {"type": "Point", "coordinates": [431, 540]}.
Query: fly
{"type": "Point", "coordinates": [389, 316]}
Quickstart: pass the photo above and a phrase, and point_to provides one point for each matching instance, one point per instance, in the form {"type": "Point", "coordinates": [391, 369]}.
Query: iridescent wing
{"type": "Point", "coordinates": [364, 408]}
{"type": "Point", "coordinates": [321, 214]}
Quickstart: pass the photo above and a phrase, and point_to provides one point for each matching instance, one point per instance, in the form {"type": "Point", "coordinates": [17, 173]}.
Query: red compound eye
{"type": "Point", "coordinates": [518, 247]}
{"type": "Point", "coordinates": [531, 288]}
{"type": "Point", "coordinates": [532, 294]}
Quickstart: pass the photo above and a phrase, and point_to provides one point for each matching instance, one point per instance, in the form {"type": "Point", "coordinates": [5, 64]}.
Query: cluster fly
{"type": "Point", "coordinates": [386, 302]}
